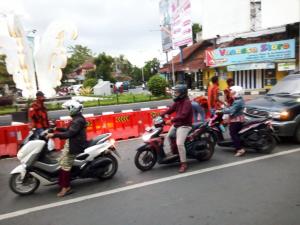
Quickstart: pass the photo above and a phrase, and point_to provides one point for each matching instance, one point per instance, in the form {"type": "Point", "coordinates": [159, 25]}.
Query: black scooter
{"type": "Point", "coordinates": [255, 134]}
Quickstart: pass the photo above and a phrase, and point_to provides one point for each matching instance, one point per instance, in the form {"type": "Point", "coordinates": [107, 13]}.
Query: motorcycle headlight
{"type": "Point", "coordinates": [146, 137]}
{"type": "Point", "coordinates": [280, 115]}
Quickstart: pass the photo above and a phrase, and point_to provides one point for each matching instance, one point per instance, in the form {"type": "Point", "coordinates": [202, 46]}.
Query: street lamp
{"type": "Point", "coordinates": [30, 37]}
{"type": "Point", "coordinates": [143, 78]}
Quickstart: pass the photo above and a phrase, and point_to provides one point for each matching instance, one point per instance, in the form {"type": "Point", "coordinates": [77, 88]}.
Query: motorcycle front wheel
{"type": "Point", "coordinates": [145, 159]}
{"type": "Point", "coordinates": [23, 187]}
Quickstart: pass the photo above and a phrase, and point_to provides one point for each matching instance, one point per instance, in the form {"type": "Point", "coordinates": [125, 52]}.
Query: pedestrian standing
{"type": "Point", "coordinates": [37, 115]}
{"type": "Point", "coordinates": [213, 95]}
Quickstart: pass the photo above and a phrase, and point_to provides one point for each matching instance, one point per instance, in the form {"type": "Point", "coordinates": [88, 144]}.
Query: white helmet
{"type": "Point", "coordinates": [73, 106]}
{"type": "Point", "coordinates": [236, 91]}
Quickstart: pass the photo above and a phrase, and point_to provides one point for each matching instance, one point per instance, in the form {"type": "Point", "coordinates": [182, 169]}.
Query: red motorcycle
{"type": "Point", "coordinates": [197, 146]}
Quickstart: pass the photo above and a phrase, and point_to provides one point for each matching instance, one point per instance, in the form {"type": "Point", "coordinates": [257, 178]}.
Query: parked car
{"type": "Point", "coordinates": [282, 103]}
{"type": "Point", "coordinates": [75, 89]}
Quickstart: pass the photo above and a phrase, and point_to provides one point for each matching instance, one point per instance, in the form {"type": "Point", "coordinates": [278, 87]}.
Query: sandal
{"type": "Point", "coordinates": [64, 192]}
{"type": "Point", "coordinates": [240, 152]}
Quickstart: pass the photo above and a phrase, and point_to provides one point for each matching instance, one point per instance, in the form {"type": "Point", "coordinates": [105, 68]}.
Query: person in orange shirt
{"type": "Point", "coordinates": [213, 95]}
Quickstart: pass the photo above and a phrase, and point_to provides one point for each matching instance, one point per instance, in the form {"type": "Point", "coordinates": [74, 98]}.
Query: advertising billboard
{"type": "Point", "coordinates": [175, 23]}
{"type": "Point", "coordinates": [260, 52]}
{"type": "Point", "coordinates": [181, 23]}
{"type": "Point", "coordinates": [165, 24]}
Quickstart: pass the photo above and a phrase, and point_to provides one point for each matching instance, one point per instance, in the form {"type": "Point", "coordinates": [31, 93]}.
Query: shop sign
{"type": "Point", "coordinates": [261, 52]}
{"type": "Point", "coordinates": [251, 66]}
{"type": "Point", "coordinates": [286, 66]}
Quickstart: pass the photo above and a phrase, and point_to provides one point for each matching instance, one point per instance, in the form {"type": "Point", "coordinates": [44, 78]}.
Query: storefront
{"type": "Point", "coordinates": [254, 66]}
{"type": "Point", "coordinates": [189, 69]}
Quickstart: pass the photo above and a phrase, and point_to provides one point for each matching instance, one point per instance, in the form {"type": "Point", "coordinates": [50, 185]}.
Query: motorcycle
{"type": "Point", "coordinates": [152, 150]}
{"type": "Point", "coordinates": [255, 134]}
{"type": "Point", "coordinates": [38, 166]}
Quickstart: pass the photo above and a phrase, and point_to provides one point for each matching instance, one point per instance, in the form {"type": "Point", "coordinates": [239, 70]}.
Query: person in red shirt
{"type": "Point", "coordinates": [213, 95]}
{"type": "Point", "coordinates": [182, 124]}
{"type": "Point", "coordinates": [227, 94]}
{"type": "Point", "coordinates": [37, 113]}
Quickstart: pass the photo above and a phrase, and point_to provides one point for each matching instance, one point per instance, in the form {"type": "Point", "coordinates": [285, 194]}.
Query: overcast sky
{"type": "Point", "coordinates": [128, 27]}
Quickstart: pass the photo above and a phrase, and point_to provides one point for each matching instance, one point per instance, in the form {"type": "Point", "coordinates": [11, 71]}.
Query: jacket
{"type": "Point", "coordinates": [38, 116]}
{"type": "Point", "coordinates": [184, 112]}
{"type": "Point", "coordinates": [237, 108]}
{"type": "Point", "coordinates": [76, 133]}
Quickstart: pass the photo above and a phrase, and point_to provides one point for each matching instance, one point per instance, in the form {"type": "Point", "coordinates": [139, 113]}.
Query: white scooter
{"type": "Point", "coordinates": [38, 166]}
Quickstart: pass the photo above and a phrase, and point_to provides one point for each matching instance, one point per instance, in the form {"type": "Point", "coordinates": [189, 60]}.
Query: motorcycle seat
{"type": "Point", "coordinates": [95, 140]}
{"type": "Point", "coordinates": [250, 122]}
{"type": "Point", "coordinates": [197, 125]}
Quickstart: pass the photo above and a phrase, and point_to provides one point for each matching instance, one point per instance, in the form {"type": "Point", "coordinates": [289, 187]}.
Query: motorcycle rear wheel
{"type": "Point", "coordinates": [111, 168]}
{"type": "Point", "coordinates": [145, 159]}
{"type": "Point", "coordinates": [18, 186]}
{"type": "Point", "coordinates": [268, 143]}
{"type": "Point", "coordinates": [209, 151]}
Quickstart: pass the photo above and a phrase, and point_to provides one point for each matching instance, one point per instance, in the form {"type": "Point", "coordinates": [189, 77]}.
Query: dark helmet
{"type": "Point", "coordinates": [182, 91]}
{"type": "Point", "coordinates": [40, 94]}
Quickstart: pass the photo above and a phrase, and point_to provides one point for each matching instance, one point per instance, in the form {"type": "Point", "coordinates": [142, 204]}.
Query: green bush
{"type": "Point", "coordinates": [157, 85]}
{"type": "Point", "coordinates": [90, 82]}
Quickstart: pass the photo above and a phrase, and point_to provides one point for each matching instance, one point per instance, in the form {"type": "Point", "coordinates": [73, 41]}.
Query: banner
{"type": "Point", "coordinates": [165, 24]}
{"type": "Point", "coordinates": [284, 66]}
{"type": "Point", "coordinates": [261, 52]}
{"type": "Point", "coordinates": [251, 66]}
{"type": "Point", "coordinates": [181, 23]}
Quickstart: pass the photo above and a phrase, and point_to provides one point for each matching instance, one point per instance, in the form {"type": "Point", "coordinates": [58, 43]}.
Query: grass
{"type": "Point", "coordinates": [8, 110]}
{"type": "Point", "coordinates": [102, 101]}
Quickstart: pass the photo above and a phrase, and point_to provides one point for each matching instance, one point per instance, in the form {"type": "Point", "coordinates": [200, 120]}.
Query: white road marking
{"type": "Point", "coordinates": [140, 185]}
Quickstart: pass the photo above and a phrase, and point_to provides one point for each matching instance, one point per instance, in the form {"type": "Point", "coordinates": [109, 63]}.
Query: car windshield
{"type": "Point", "coordinates": [286, 87]}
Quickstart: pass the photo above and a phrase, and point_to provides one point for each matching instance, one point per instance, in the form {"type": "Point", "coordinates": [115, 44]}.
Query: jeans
{"type": "Point", "coordinates": [234, 129]}
{"type": "Point", "coordinates": [38, 132]}
{"type": "Point", "coordinates": [181, 134]}
{"type": "Point", "coordinates": [198, 109]}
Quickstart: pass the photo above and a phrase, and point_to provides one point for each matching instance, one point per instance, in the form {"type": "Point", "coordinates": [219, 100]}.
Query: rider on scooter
{"type": "Point", "coordinates": [182, 124]}
{"type": "Point", "coordinates": [76, 142]}
{"type": "Point", "coordinates": [236, 117]}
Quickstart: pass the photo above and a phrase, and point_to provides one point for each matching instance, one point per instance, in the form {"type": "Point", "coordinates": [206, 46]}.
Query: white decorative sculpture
{"type": "Point", "coordinates": [46, 59]}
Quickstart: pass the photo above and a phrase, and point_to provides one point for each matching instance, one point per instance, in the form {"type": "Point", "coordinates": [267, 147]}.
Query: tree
{"type": "Point", "coordinates": [122, 66]}
{"type": "Point", "coordinates": [79, 55]}
{"type": "Point", "coordinates": [90, 82]}
{"type": "Point", "coordinates": [5, 77]}
{"type": "Point", "coordinates": [136, 75]}
{"type": "Point", "coordinates": [157, 85]}
{"type": "Point", "coordinates": [104, 67]}
{"type": "Point", "coordinates": [196, 28]}
{"type": "Point", "coordinates": [151, 68]}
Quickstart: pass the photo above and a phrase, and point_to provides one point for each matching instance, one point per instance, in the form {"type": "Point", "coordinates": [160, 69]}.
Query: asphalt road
{"type": "Point", "coordinates": [225, 190]}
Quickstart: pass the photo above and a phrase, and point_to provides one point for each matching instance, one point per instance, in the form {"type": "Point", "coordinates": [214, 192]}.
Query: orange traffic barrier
{"type": "Point", "coordinates": [11, 137]}
{"type": "Point", "coordinates": [121, 125]}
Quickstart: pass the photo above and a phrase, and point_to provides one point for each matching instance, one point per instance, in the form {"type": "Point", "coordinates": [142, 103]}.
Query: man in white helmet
{"type": "Point", "coordinates": [76, 142]}
{"type": "Point", "coordinates": [236, 118]}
